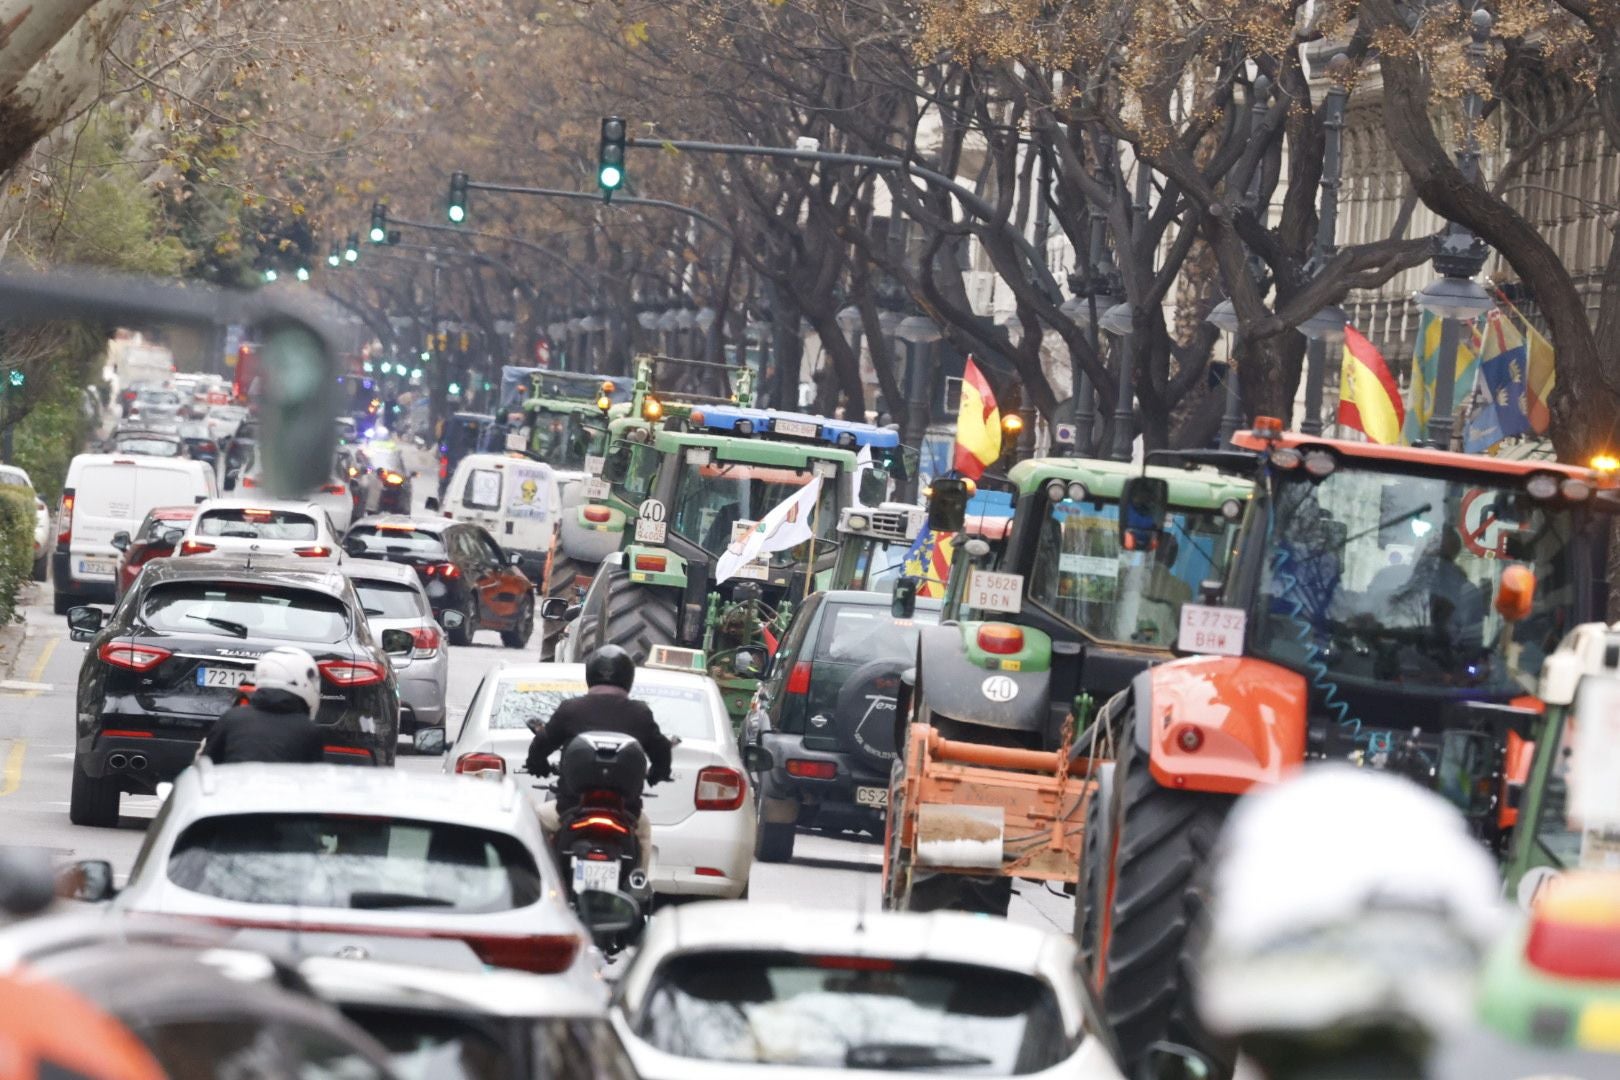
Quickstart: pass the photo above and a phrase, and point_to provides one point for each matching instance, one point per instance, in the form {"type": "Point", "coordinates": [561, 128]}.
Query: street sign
{"type": "Point", "coordinates": [1063, 434]}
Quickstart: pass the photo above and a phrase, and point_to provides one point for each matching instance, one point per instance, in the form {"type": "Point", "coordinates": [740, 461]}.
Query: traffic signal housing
{"type": "Point", "coordinates": [379, 223]}
{"type": "Point", "coordinates": [351, 253]}
{"type": "Point", "coordinates": [610, 157]}
{"type": "Point", "coordinates": [456, 210]}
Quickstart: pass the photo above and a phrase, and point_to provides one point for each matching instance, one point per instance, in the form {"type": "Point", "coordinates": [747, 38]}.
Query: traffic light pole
{"type": "Point", "coordinates": [618, 200]}
{"type": "Point", "coordinates": [583, 278]}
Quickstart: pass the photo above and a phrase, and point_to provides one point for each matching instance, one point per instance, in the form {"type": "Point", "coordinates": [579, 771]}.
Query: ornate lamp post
{"type": "Point", "coordinates": [920, 334]}
{"type": "Point", "coordinates": [1327, 325]}
{"type": "Point", "coordinates": [1223, 316]}
{"type": "Point", "coordinates": [1119, 321]}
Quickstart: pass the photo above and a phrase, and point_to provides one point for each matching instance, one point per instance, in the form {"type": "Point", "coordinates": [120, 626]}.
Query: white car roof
{"type": "Point", "coordinates": [83, 461]}
{"type": "Point", "coordinates": [645, 676]}
{"type": "Point", "coordinates": [379, 570]}
{"type": "Point", "coordinates": [218, 790]}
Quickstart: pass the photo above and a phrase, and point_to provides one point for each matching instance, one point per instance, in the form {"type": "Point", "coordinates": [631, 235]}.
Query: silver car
{"type": "Point", "coordinates": [302, 860]}
{"type": "Point", "coordinates": [393, 598]}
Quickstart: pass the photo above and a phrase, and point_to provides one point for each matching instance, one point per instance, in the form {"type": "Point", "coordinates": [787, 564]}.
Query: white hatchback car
{"type": "Point", "coordinates": [756, 990]}
{"type": "Point", "coordinates": [335, 496]}
{"type": "Point", "coordinates": [331, 860]}
{"type": "Point", "coordinates": [260, 527]}
{"type": "Point", "coordinates": [702, 820]}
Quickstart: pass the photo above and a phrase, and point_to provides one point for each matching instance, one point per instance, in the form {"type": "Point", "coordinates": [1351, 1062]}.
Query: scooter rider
{"type": "Point", "coordinates": [606, 705]}
{"type": "Point", "coordinates": [276, 722]}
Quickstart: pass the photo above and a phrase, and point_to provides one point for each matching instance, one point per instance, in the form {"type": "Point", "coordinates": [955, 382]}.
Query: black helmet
{"type": "Point", "coordinates": [610, 665]}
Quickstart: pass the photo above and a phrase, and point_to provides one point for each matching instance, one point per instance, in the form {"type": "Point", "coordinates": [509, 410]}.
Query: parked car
{"type": "Point", "coordinates": [462, 568]}
{"type": "Point", "coordinates": [313, 860]}
{"type": "Point", "coordinates": [264, 526]}
{"type": "Point", "coordinates": [156, 538]}
{"type": "Point", "coordinates": [12, 476]}
{"type": "Point", "coordinates": [515, 499]}
{"type": "Point", "coordinates": [825, 713]}
{"type": "Point", "coordinates": [393, 599]}
{"type": "Point", "coordinates": [104, 495]}
{"type": "Point", "coordinates": [335, 497]}
{"type": "Point", "coordinates": [148, 442]}
{"type": "Point", "coordinates": [722, 990]}
{"type": "Point", "coordinates": [702, 820]}
{"type": "Point", "coordinates": [179, 649]}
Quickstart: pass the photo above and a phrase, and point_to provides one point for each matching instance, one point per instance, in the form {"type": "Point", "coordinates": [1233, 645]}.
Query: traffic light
{"type": "Point", "coordinates": [334, 258]}
{"type": "Point", "coordinates": [455, 389]}
{"type": "Point", "coordinates": [270, 274]}
{"type": "Point", "coordinates": [352, 252]}
{"type": "Point", "coordinates": [457, 208]}
{"type": "Point", "coordinates": [16, 377]}
{"type": "Point", "coordinates": [610, 157]}
{"type": "Point", "coordinates": [379, 223]}
{"type": "Point", "coordinates": [302, 273]}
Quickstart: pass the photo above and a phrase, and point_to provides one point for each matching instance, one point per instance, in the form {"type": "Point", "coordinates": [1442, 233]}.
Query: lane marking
{"type": "Point", "coordinates": [39, 668]}
{"type": "Point", "coordinates": [11, 772]}
{"type": "Point", "coordinates": [24, 687]}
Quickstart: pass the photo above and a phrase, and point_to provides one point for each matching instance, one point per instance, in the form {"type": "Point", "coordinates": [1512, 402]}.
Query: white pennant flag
{"type": "Point", "coordinates": [863, 465]}
{"type": "Point", "coordinates": [787, 525]}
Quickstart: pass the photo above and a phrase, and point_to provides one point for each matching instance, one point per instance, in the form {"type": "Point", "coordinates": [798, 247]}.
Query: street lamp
{"type": "Point", "coordinates": [919, 333]}
{"type": "Point", "coordinates": [1330, 320]}
{"type": "Point", "coordinates": [1224, 317]}
{"type": "Point", "coordinates": [1119, 321]}
{"type": "Point", "coordinates": [685, 321]}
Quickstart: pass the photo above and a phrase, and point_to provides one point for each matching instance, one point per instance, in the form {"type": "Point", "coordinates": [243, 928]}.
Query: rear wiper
{"type": "Point", "coordinates": [373, 901]}
{"type": "Point", "coordinates": [903, 1056]}
{"type": "Point", "coordinates": [239, 629]}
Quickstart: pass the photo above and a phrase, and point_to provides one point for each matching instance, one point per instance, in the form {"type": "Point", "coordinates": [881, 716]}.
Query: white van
{"type": "Point", "coordinates": [515, 498]}
{"type": "Point", "coordinates": [104, 495]}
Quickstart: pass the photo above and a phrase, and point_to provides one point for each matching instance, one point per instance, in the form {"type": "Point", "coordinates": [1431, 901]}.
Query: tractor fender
{"type": "Point", "coordinates": [588, 542]}
{"type": "Point", "coordinates": [954, 686]}
{"type": "Point", "coordinates": [1220, 723]}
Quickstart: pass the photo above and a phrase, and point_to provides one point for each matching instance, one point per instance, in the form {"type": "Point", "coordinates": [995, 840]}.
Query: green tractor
{"type": "Point", "coordinates": [684, 486]}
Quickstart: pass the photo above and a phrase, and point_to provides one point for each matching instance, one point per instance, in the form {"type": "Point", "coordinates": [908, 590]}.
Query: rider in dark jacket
{"type": "Point", "coordinates": [275, 723]}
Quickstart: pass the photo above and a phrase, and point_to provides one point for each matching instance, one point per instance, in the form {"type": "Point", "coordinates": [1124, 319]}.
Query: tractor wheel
{"type": "Point", "coordinates": [631, 616]}
{"type": "Point", "coordinates": [563, 582]}
{"type": "Point", "coordinates": [1153, 929]}
{"type": "Point", "coordinates": [1091, 892]}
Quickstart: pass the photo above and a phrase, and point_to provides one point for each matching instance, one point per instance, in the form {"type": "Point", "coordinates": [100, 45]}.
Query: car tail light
{"type": "Point", "coordinates": [541, 954]}
{"type": "Point", "coordinates": [247, 481]}
{"type": "Point", "coordinates": [195, 547]}
{"type": "Point", "coordinates": [855, 963]}
{"type": "Point", "coordinates": [653, 563]}
{"type": "Point", "coordinates": [444, 467]}
{"type": "Point", "coordinates": [799, 678]}
{"type": "Point", "coordinates": [335, 488]}
{"type": "Point", "coordinates": [64, 519]}
{"type": "Point", "coordinates": [393, 478]}
{"type": "Point", "coordinates": [1000, 638]}
{"type": "Point", "coordinates": [601, 821]}
{"type": "Point", "coordinates": [208, 448]}
{"type": "Point", "coordinates": [314, 551]}
{"type": "Point", "coordinates": [124, 733]}
{"type": "Point", "coordinates": [426, 642]}
{"type": "Point", "coordinates": [719, 788]}
{"type": "Point", "coordinates": [476, 764]}
{"type": "Point", "coordinates": [352, 672]}
{"type": "Point", "coordinates": [444, 569]}
{"type": "Point", "coordinates": [812, 770]}
{"type": "Point", "coordinates": [597, 514]}
{"type": "Point", "coordinates": [348, 751]}
{"type": "Point", "coordinates": [132, 657]}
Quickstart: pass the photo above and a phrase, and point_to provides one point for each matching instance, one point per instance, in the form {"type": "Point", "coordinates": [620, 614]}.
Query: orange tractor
{"type": "Point", "coordinates": [1386, 606]}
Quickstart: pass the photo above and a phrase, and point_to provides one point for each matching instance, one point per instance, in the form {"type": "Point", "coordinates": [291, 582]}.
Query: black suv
{"type": "Point", "coordinates": [826, 713]}
{"type": "Point", "coordinates": [179, 649]}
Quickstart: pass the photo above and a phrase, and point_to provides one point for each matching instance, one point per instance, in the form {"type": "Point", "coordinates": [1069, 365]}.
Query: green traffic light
{"type": "Point", "coordinates": [378, 235]}
{"type": "Point", "coordinates": [458, 214]}
{"type": "Point", "coordinates": [416, 373]}
{"type": "Point", "coordinates": [426, 355]}
{"type": "Point", "coordinates": [334, 259]}
{"type": "Point", "coordinates": [455, 389]}
{"type": "Point", "coordinates": [17, 377]}
{"type": "Point", "coordinates": [270, 275]}
{"type": "Point", "coordinates": [611, 177]}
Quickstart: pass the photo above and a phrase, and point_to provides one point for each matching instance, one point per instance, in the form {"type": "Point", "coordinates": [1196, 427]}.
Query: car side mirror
{"type": "Point", "coordinates": [431, 505]}
{"type": "Point", "coordinates": [903, 604]}
{"type": "Point", "coordinates": [750, 662]}
{"type": "Point", "coordinates": [1172, 1061]}
{"type": "Point", "coordinates": [1142, 506]}
{"type": "Point", "coordinates": [554, 609]}
{"type": "Point", "coordinates": [453, 619]}
{"type": "Point", "coordinates": [85, 623]}
{"type": "Point", "coordinates": [757, 759]}
{"type": "Point", "coordinates": [606, 914]}
{"type": "Point", "coordinates": [1516, 593]}
{"type": "Point", "coordinates": [430, 741]}
{"type": "Point", "coordinates": [171, 537]}
{"type": "Point", "coordinates": [353, 545]}
{"type": "Point", "coordinates": [397, 642]}
{"type": "Point", "coordinates": [88, 880]}
{"type": "Point", "coordinates": [120, 541]}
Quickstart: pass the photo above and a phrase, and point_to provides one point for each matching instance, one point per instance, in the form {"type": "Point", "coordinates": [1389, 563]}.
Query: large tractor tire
{"type": "Point", "coordinates": [633, 617]}
{"type": "Point", "coordinates": [1157, 918]}
{"type": "Point", "coordinates": [563, 582]}
{"type": "Point", "coordinates": [1091, 892]}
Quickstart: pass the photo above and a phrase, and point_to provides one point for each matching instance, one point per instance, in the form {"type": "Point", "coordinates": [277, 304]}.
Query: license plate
{"type": "Point", "coordinates": [755, 570]}
{"type": "Point", "coordinates": [1211, 630]}
{"type": "Point", "coordinates": [797, 429]}
{"type": "Point", "coordinates": [596, 876]}
{"type": "Point", "coordinates": [220, 676]}
{"type": "Point", "coordinates": [97, 566]}
{"type": "Point", "coordinates": [872, 796]}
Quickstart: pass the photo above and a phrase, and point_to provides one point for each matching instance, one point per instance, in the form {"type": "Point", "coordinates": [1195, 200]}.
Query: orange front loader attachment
{"type": "Point", "coordinates": [986, 811]}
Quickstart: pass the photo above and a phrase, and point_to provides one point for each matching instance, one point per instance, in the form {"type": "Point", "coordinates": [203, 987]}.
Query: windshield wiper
{"type": "Point", "coordinates": [903, 1056]}
{"type": "Point", "coordinates": [373, 901]}
{"type": "Point", "coordinates": [239, 629]}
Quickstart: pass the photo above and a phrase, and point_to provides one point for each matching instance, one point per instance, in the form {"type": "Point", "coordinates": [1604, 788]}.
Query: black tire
{"type": "Point", "coordinates": [93, 802]}
{"type": "Point", "coordinates": [633, 617]}
{"type": "Point", "coordinates": [463, 635]}
{"type": "Point", "coordinates": [1163, 840]}
{"type": "Point", "coordinates": [864, 727]}
{"type": "Point", "coordinates": [62, 602]}
{"type": "Point", "coordinates": [1091, 891]}
{"type": "Point", "coordinates": [563, 582]}
{"type": "Point", "coordinates": [41, 566]}
{"type": "Point", "coordinates": [773, 842]}
{"type": "Point", "coordinates": [518, 636]}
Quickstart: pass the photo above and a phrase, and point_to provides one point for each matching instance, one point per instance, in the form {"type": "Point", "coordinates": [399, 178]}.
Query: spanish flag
{"type": "Point", "coordinates": [1369, 398]}
{"type": "Point", "coordinates": [978, 425]}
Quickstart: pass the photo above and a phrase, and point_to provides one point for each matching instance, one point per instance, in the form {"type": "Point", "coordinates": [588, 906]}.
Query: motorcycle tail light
{"type": "Point", "coordinates": [719, 788]}
{"type": "Point", "coordinates": [600, 821]}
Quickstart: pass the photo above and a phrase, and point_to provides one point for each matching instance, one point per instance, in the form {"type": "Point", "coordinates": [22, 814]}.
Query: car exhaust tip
{"type": "Point", "coordinates": [137, 762]}
{"type": "Point", "coordinates": [117, 761]}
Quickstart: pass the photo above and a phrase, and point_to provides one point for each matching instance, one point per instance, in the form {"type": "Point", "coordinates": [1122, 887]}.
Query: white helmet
{"type": "Point", "coordinates": [292, 670]}
{"type": "Point", "coordinates": [1342, 898]}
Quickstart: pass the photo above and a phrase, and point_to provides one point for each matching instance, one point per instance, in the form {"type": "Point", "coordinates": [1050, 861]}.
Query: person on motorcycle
{"type": "Point", "coordinates": [276, 723]}
{"type": "Point", "coordinates": [606, 705]}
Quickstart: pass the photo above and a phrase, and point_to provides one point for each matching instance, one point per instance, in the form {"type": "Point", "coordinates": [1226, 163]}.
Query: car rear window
{"type": "Point", "coordinates": [856, 633]}
{"type": "Point", "coordinates": [394, 540]}
{"type": "Point", "coordinates": [447, 1045]}
{"type": "Point", "coordinates": [389, 600]}
{"type": "Point", "coordinates": [686, 711]}
{"type": "Point", "coordinates": [148, 446]}
{"type": "Point", "coordinates": [863, 1012]}
{"type": "Point", "coordinates": [251, 524]}
{"type": "Point", "coordinates": [230, 610]}
{"type": "Point", "coordinates": [345, 861]}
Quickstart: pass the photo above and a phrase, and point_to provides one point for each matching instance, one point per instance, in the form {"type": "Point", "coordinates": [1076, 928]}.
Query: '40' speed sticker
{"type": "Point", "coordinates": [999, 688]}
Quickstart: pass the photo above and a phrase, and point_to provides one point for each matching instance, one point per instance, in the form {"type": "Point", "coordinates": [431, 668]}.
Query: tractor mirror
{"type": "Point", "coordinates": [903, 605]}
{"type": "Point", "coordinates": [616, 465]}
{"type": "Point", "coordinates": [1515, 593]}
{"type": "Point", "coordinates": [1171, 1061]}
{"type": "Point", "coordinates": [947, 505]}
{"type": "Point", "coordinates": [1142, 506]}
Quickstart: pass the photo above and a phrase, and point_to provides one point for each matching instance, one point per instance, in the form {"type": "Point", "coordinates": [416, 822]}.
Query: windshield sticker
{"type": "Point", "coordinates": [1089, 565]}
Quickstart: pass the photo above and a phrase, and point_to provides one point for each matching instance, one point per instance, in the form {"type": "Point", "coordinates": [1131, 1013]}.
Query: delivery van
{"type": "Point", "coordinates": [514, 498]}
{"type": "Point", "coordinates": [104, 495]}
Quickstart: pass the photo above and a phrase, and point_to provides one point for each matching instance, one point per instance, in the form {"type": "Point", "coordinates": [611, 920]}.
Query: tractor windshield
{"type": "Point", "coordinates": [1081, 574]}
{"type": "Point", "coordinates": [716, 501]}
{"type": "Point", "coordinates": [562, 440]}
{"type": "Point", "coordinates": [1384, 577]}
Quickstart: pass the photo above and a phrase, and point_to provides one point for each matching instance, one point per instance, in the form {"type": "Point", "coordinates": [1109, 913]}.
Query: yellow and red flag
{"type": "Point", "coordinates": [929, 561]}
{"type": "Point", "coordinates": [1369, 397]}
{"type": "Point", "coordinates": [1541, 362]}
{"type": "Point", "coordinates": [978, 425]}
